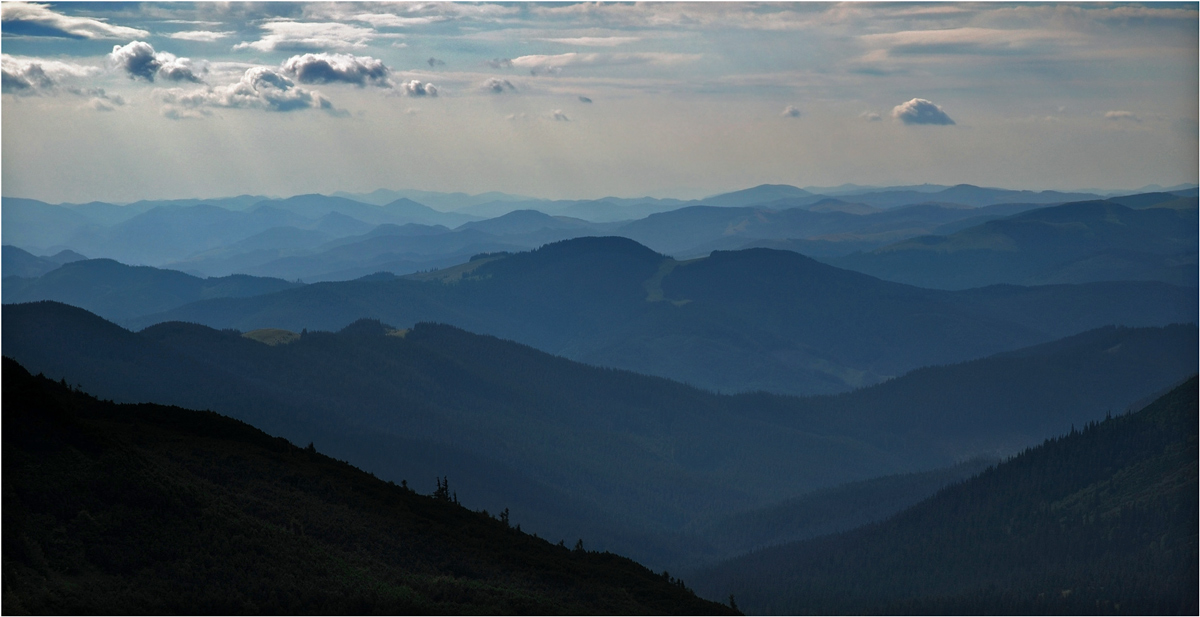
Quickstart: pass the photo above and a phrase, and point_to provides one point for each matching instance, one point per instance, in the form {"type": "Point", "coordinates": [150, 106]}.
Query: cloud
{"type": "Point", "coordinates": [34, 77]}
{"type": "Point", "coordinates": [870, 116]}
{"type": "Point", "coordinates": [416, 88]}
{"type": "Point", "coordinates": [435, 62]}
{"type": "Point", "coordinates": [558, 114]}
{"type": "Point", "coordinates": [139, 60]}
{"type": "Point", "coordinates": [500, 63]}
{"type": "Point", "coordinates": [199, 36]}
{"type": "Point", "coordinates": [791, 111]}
{"type": "Point", "coordinates": [555, 63]}
{"type": "Point", "coordinates": [596, 41]}
{"type": "Point", "coordinates": [31, 19]}
{"type": "Point", "coordinates": [1122, 116]}
{"type": "Point", "coordinates": [972, 41]}
{"type": "Point", "coordinates": [259, 88]}
{"type": "Point", "coordinates": [921, 111]}
{"type": "Point", "coordinates": [329, 68]}
{"type": "Point", "coordinates": [287, 35]}
{"type": "Point", "coordinates": [498, 86]}
{"type": "Point", "coordinates": [584, 99]}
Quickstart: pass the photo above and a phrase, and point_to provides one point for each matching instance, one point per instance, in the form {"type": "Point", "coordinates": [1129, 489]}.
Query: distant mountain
{"type": "Point", "coordinates": [760, 194]}
{"type": "Point", "coordinates": [439, 201]}
{"type": "Point", "coordinates": [117, 291]}
{"type": "Point", "coordinates": [17, 262]}
{"type": "Point", "coordinates": [967, 195]}
{"type": "Point", "coordinates": [1101, 520]}
{"type": "Point", "coordinates": [630, 463]}
{"type": "Point", "coordinates": [144, 508]}
{"type": "Point", "coordinates": [840, 227]}
{"type": "Point", "coordinates": [743, 320]}
{"type": "Point", "coordinates": [399, 211]}
{"type": "Point", "coordinates": [37, 226]}
{"type": "Point", "coordinates": [526, 221]}
{"type": "Point", "coordinates": [1072, 243]}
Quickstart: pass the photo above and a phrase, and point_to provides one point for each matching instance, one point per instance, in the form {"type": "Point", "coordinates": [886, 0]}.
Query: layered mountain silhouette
{"type": "Point", "coordinates": [638, 464]}
{"type": "Point", "coordinates": [117, 291]}
{"type": "Point", "coordinates": [735, 321]}
{"type": "Point", "coordinates": [1155, 239]}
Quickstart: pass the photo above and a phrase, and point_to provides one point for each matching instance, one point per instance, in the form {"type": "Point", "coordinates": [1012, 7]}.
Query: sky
{"type": "Point", "coordinates": [126, 101]}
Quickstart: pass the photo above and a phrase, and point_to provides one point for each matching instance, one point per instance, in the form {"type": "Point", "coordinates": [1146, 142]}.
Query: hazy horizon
{"type": "Point", "coordinates": [121, 102]}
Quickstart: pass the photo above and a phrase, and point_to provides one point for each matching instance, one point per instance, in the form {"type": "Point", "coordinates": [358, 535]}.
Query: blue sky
{"type": "Point", "coordinates": [119, 102]}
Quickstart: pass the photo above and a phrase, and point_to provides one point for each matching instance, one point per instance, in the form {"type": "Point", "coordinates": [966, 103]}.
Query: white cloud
{"type": "Point", "coordinates": [327, 68]}
{"type": "Point", "coordinates": [259, 88]}
{"type": "Point", "coordinates": [595, 41]}
{"type": "Point", "coordinates": [139, 60]}
{"type": "Point", "coordinates": [31, 19]}
{"type": "Point", "coordinates": [498, 86]}
{"type": "Point", "coordinates": [417, 88]}
{"type": "Point", "coordinates": [791, 111]}
{"type": "Point", "coordinates": [921, 111]}
{"type": "Point", "coordinates": [287, 35]}
{"type": "Point", "coordinates": [555, 63]}
{"type": "Point", "coordinates": [1127, 116]}
{"type": "Point", "coordinates": [36, 76]}
{"type": "Point", "coordinates": [199, 36]}
{"type": "Point", "coordinates": [558, 114]}
{"type": "Point", "coordinates": [870, 116]}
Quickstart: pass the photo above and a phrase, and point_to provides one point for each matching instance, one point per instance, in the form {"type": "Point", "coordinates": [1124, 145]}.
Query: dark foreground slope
{"type": "Point", "coordinates": [114, 508]}
{"type": "Point", "coordinates": [1098, 521]}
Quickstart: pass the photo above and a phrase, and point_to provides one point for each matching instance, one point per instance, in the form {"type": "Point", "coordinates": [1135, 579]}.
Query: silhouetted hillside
{"type": "Point", "coordinates": [151, 509]}
{"type": "Point", "coordinates": [1100, 521]}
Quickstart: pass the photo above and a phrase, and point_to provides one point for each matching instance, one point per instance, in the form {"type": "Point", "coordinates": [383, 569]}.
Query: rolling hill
{"type": "Point", "coordinates": [735, 321]}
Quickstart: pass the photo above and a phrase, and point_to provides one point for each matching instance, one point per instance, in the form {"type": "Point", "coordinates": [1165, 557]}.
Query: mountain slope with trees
{"type": "Point", "coordinates": [1099, 521]}
{"type": "Point", "coordinates": [145, 508]}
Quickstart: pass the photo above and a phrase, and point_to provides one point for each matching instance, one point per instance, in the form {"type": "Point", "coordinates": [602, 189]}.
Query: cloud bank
{"type": "Point", "coordinates": [259, 88]}
{"type": "Point", "coordinates": [31, 19]}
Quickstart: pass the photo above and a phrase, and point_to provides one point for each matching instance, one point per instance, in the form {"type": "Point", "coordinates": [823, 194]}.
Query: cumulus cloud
{"type": "Point", "coordinates": [500, 63]}
{"type": "Point", "coordinates": [287, 35]}
{"type": "Point", "coordinates": [791, 111]}
{"type": "Point", "coordinates": [35, 76]}
{"type": "Point", "coordinates": [921, 111]}
{"type": "Point", "coordinates": [31, 19]}
{"type": "Point", "coordinates": [417, 88]}
{"type": "Point", "coordinates": [584, 99]}
{"type": "Point", "coordinates": [139, 60]}
{"type": "Point", "coordinates": [199, 36]}
{"type": "Point", "coordinates": [329, 68]}
{"type": "Point", "coordinates": [498, 86]}
{"type": "Point", "coordinates": [558, 114]}
{"type": "Point", "coordinates": [870, 116]}
{"type": "Point", "coordinates": [1122, 116]}
{"type": "Point", "coordinates": [259, 88]}
{"type": "Point", "coordinates": [435, 62]}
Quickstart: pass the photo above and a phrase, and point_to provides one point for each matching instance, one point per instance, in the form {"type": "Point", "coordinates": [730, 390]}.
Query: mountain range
{"type": "Point", "coordinates": [638, 464]}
